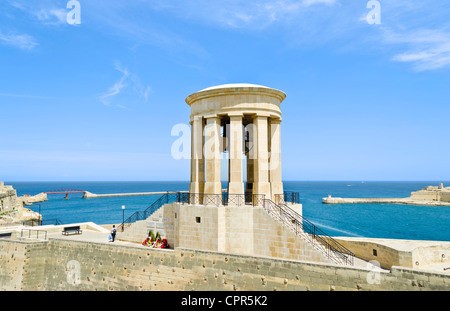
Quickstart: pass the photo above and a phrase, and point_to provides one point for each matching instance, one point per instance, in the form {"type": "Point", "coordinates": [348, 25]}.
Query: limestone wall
{"type": "Point", "coordinates": [445, 196]}
{"type": "Point", "coordinates": [8, 198]}
{"type": "Point", "coordinates": [422, 256]}
{"type": "Point", "coordinates": [432, 194]}
{"type": "Point", "coordinates": [424, 195]}
{"type": "Point", "coordinates": [386, 256]}
{"type": "Point", "coordinates": [77, 265]}
{"type": "Point", "coordinates": [11, 206]}
{"type": "Point", "coordinates": [12, 264]}
{"type": "Point", "coordinates": [405, 253]}
{"type": "Point", "coordinates": [244, 230]}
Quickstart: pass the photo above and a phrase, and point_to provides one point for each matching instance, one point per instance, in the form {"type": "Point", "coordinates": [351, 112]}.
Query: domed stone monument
{"type": "Point", "coordinates": [244, 121]}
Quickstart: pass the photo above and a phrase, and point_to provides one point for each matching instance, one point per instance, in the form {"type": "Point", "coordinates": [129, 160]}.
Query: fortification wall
{"type": "Point", "coordinates": [77, 265]}
{"type": "Point", "coordinates": [445, 196]}
{"type": "Point", "coordinates": [424, 195]}
{"type": "Point", "coordinates": [406, 253]}
{"type": "Point", "coordinates": [12, 264]}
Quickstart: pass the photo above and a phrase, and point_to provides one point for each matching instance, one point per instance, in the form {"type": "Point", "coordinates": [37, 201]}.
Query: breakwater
{"type": "Point", "coordinates": [336, 200]}
{"type": "Point", "coordinates": [89, 195]}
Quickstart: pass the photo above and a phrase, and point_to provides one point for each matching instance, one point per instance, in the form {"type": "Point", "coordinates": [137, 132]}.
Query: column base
{"type": "Point", "coordinates": [262, 188]}
{"type": "Point", "coordinates": [196, 187]}
{"type": "Point", "coordinates": [236, 188]}
{"type": "Point", "coordinates": [213, 188]}
{"type": "Point", "coordinates": [277, 189]}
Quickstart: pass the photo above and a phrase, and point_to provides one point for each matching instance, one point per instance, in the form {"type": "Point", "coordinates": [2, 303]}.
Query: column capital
{"type": "Point", "coordinates": [235, 115]}
{"type": "Point", "coordinates": [260, 116]}
{"type": "Point", "coordinates": [212, 116]}
{"type": "Point", "coordinates": [195, 117]}
{"type": "Point", "coordinates": [275, 120]}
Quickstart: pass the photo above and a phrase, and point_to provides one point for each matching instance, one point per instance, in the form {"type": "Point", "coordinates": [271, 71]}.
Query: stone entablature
{"type": "Point", "coordinates": [248, 99]}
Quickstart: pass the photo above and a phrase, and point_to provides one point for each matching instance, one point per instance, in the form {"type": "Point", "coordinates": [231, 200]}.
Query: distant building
{"type": "Point", "coordinates": [432, 193]}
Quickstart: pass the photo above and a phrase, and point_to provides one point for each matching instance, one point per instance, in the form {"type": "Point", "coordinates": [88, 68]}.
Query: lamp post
{"type": "Point", "coordinates": [123, 218]}
{"type": "Point", "coordinates": [40, 222]}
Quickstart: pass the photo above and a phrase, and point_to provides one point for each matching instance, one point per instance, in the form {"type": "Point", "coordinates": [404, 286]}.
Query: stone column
{"type": "Point", "coordinates": [197, 160]}
{"type": "Point", "coordinates": [261, 183]}
{"type": "Point", "coordinates": [275, 179]}
{"type": "Point", "coordinates": [212, 156]}
{"type": "Point", "coordinates": [251, 155]}
{"type": "Point", "coordinates": [235, 181]}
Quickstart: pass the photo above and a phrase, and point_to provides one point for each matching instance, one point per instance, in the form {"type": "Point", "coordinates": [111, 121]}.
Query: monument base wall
{"type": "Point", "coordinates": [244, 230]}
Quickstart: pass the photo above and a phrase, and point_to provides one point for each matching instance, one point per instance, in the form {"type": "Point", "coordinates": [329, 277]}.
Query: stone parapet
{"type": "Point", "coordinates": [76, 265]}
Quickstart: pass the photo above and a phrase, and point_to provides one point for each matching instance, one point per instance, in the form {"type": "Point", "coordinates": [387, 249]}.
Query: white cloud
{"type": "Point", "coordinates": [312, 2]}
{"type": "Point", "coordinates": [424, 49]}
{"type": "Point", "coordinates": [46, 12]}
{"type": "Point", "coordinates": [146, 92]}
{"type": "Point", "coordinates": [128, 81]}
{"type": "Point", "coordinates": [51, 16]}
{"type": "Point", "coordinates": [21, 41]}
{"type": "Point", "coordinates": [241, 14]}
{"type": "Point", "coordinates": [116, 88]}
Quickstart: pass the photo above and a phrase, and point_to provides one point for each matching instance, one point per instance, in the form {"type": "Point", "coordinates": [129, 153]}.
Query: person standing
{"type": "Point", "coordinates": [113, 233]}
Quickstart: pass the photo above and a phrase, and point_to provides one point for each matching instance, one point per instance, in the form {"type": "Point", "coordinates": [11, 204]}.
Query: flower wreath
{"type": "Point", "coordinates": [155, 241]}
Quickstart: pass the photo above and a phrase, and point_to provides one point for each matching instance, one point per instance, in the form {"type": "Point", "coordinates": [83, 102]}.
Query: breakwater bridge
{"type": "Point", "coordinates": [89, 195]}
{"type": "Point", "coordinates": [65, 191]}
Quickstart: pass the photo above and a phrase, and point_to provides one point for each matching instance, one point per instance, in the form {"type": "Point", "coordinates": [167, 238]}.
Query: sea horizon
{"type": "Point", "coordinates": [393, 221]}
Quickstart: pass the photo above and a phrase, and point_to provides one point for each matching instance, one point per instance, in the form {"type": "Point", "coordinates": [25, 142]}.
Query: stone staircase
{"type": "Point", "coordinates": [137, 227]}
{"type": "Point", "coordinates": [309, 232]}
{"type": "Point", "coordinates": [135, 233]}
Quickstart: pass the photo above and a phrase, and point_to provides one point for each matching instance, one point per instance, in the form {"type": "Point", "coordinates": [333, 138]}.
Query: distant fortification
{"type": "Point", "coordinates": [432, 193]}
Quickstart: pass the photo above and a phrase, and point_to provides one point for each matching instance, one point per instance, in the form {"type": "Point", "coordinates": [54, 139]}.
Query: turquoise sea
{"type": "Point", "coordinates": [366, 220]}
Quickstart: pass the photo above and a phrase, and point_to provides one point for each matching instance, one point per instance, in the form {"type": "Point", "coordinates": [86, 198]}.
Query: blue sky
{"type": "Point", "coordinates": [98, 100]}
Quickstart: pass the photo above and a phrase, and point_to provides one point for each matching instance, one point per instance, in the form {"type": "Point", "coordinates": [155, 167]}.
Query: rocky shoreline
{"type": "Point", "coordinates": [12, 208]}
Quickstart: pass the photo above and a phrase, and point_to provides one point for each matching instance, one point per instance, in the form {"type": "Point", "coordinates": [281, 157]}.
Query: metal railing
{"type": "Point", "coordinates": [194, 198]}
{"type": "Point", "coordinates": [287, 197]}
{"type": "Point", "coordinates": [38, 222]}
{"type": "Point", "coordinates": [306, 229]}
{"type": "Point", "coordinates": [33, 234]}
{"type": "Point", "coordinates": [243, 199]}
{"type": "Point", "coordinates": [52, 221]}
{"type": "Point", "coordinates": [169, 197]}
{"type": "Point", "coordinates": [221, 199]}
